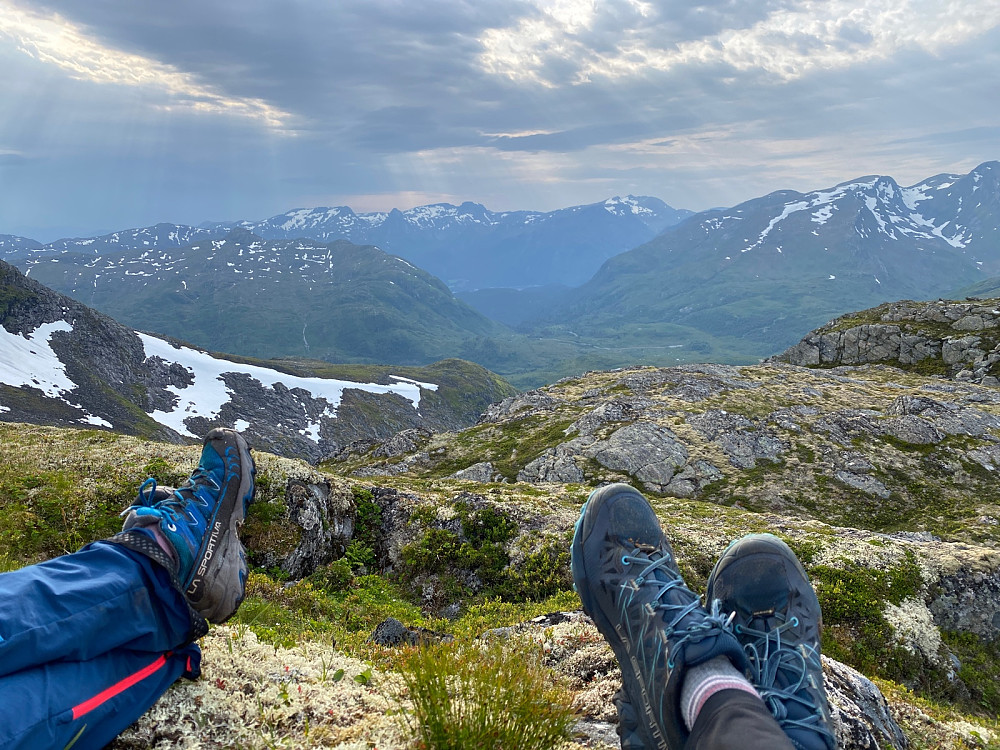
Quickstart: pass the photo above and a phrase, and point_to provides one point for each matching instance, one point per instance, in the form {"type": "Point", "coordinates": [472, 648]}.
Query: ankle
{"type": "Point", "coordinates": [707, 679]}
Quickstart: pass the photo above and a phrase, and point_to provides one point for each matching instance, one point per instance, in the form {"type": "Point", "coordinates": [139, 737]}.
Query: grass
{"type": "Point", "coordinates": [282, 612]}
{"type": "Point", "coordinates": [489, 696]}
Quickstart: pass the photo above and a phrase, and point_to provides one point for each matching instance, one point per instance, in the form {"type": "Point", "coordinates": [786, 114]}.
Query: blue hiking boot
{"type": "Point", "coordinates": [201, 522]}
{"type": "Point", "coordinates": [624, 570]}
{"type": "Point", "coordinates": [776, 616]}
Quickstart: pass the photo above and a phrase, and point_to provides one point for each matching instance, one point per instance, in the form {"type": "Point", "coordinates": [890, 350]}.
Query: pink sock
{"type": "Point", "coordinates": [165, 545]}
{"type": "Point", "coordinates": [704, 681]}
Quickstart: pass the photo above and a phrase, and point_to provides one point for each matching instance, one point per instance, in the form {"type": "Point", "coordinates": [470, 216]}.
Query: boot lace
{"type": "Point", "coordinates": [673, 612]}
{"type": "Point", "coordinates": [769, 656]}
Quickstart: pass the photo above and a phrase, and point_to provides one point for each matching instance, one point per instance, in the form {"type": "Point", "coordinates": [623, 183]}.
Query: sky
{"type": "Point", "coordinates": [124, 113]}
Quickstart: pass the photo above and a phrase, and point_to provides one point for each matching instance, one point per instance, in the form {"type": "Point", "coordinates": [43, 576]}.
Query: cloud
{"type": "Point", "coordinates": [53, 40]}
{"type": "Point", "coordinates": [10, 159]}
{"type": "Point", "coordinates": [181, 111]}
{"type": "Point", "coordinates": [556, 45]}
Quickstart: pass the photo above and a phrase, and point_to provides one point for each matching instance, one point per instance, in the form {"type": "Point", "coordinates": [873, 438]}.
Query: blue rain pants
{"type": "Point", "coordinates": [88, 642]}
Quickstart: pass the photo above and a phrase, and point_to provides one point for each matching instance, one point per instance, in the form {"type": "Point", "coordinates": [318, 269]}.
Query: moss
{"type": "Point", "coordinates": [922, 449]}
{"type": "Point", "coordinates": [508, 446]}
{"type": "Point", "coordinates": [475, 561]}
{"type": "Point", "coordinates": [268, 529]}
{"type": "Point", "coordinates": [164, 472]}
{"type": "Point", "coordinates": [979, 665]}
{"type": "Point", "coordinates": [853, 600]}
{"type": "Point", "coordinates": [804, 549]}
{"type": "Point", "coordinates": [543, 572]}
{"type": "Point", "coordinates": [362, 550]}
{"type": "Point", "coordinates": [806, 454]}
{"type": "Point", "coordinates": [44, 514]}
{"type": "Point", "coordinates": [930, 366]}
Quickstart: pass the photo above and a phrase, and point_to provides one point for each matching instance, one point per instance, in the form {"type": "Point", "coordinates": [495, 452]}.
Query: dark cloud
{"type": "Point", "coordinates": [375, 88]}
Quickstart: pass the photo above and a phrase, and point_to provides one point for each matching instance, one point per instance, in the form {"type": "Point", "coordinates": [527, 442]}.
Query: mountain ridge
{"type": "Point", "coordinates": [469, 245]}
{"type": "Point", "coordinates": [66, 364]}
{"type": "Point", "coordinates": [751, 270]}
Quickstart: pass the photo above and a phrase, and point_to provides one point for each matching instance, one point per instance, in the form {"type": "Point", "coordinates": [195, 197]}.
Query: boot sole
{"type": "Point", "coordinates": [221, 548]}
{"type": "Point", "coordinates": [644, 733]}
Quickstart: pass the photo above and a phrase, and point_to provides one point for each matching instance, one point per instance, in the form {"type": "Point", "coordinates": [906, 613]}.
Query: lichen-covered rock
{"type": "Point", "coordinates": [406, 441]}
{"type": "Point", "coordinates": [557, 464]}
{"type": "Point", "coordinates": [325, 514]}
{"type": "Point", "coordinates": [480, 472]}
{"type": "Point", "coordinates": [861, 715]}
{"type": "Point", "coordinates": [650, 453]}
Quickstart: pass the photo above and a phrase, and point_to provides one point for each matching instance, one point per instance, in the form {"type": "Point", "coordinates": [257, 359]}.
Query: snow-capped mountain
{"type": "Point", "coordinates": [468, 246]}
{"type": "Point", "coordinates": [959, 212]}
{"type": "Point", "coordinates": [12, 246]}
{"type": "Point", "coordinates": [773, 267]}
{"type": "Point", "coordinates": [729, 284]}
{"type": "Point", "coordinates": [471, 247]}
{"type": "Point", "coordinates": [63, 363]}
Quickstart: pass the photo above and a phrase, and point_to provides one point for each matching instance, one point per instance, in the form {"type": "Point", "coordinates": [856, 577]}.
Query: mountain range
{"type": "Point", "coordinates": [241, 294]}
{"type": "Point", "coordinates": [468, 246]}
{"type": "Point", "coordinates": [770, 269]}
{"type": "Point", "coordinates": [726, 285]}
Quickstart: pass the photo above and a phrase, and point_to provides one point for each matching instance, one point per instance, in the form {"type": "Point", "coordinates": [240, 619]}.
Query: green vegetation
{"type": "Point", "coordinates": [360, 552]}
{"type": "Point", "coordinates": [979, 666]}
{"type": "Point", "coordinates": [302, 611]}
{"type": "Point", "coordinates": [508, 446]}
{"type": "Point", "coordinates": [472, 561]}
{"type": "Point", "coordinates": [855, 630]}
{"type": "Point", "coordinates": [500, 552]}
{"type": "Point", "coordinates": [487, 696]}
{"type": "Point", "coordinates": [11, 295]}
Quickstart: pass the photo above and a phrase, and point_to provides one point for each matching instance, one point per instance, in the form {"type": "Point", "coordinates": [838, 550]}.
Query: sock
{"type": "Point", "coordinates": [151, 525]}
{"type": "Point", "coordinates": [703, 681]}
{"type": "Point", "coordinates": [162, 541]}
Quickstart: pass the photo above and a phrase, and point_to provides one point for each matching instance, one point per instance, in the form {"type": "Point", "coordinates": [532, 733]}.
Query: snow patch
{"type": "Point", "coordinates": [789, 209]}
{"type": "Point", "coordinates": [206, 396]}
{"type": "Point", "coordinates": [28, 361]}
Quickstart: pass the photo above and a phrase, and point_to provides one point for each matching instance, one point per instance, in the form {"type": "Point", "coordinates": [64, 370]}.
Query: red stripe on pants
{"type": "Point", "coordinates": [106, 695]}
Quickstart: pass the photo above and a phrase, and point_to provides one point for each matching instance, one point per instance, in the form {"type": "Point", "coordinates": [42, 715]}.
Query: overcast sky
{"type": "Point", "coordinates": [124, 113]}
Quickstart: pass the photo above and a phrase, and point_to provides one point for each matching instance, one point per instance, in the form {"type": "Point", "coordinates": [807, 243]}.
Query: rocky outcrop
{"type": "Point", "coordinates": [861, 715]}
{"type": "Point", "coordinates": [960, 340]}
{"type": "Point", "coordinates": [301, 518]}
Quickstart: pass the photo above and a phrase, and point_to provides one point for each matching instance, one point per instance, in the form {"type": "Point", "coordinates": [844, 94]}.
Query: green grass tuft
{"type": "Point", "coordinates": [491, 697]}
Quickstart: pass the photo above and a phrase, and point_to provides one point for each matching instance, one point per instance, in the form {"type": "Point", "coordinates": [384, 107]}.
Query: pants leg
{"type": "Point", "coordinates": [78, 606]}
{"type": "Point", "coordinates": [88, 702]}
{"type": "Point", "coordinates": [735, 720]}
{"type": "Point", "coordinates": [88, 641]}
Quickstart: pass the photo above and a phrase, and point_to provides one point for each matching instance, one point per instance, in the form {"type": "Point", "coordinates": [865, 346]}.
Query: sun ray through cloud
{"type": "Point", "coordinates": [54, 40]}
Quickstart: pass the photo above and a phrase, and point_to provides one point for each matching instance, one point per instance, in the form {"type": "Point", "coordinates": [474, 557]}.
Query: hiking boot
{"type": "Point", "coordinates": [201, 522]}
{"type": "Point", "coordinates": [777, 619]}
{"type": "Point", "coordinates": [624, 570]}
